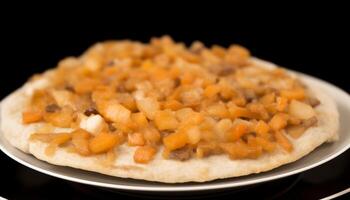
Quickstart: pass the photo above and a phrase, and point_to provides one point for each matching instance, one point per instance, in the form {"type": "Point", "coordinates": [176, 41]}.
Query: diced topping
{"type": "Point", "coordinates": [115, 112]}
{"type": "Point", "coordinates": [52, 108]}
{"type": "Point", "coordinates": [31, 117]}
{"type": "Point", "coordinates": [136, 139]}
{"type": "Point", "coordinates": [278, 122]}
{"type": "Point", "coordinates": [80, 141]}
{"type": "Point", "coordinates": [166, 120]}
{"type": "Point", "coordinates": [62, 118]}
{"type": "Point", "coordinates": [300, 110]}
{"type": "Point", "coordinates": [103, 142]}
{"type": "Point", "coordinates": [93, 124]}
{"type": "Point", "coordinates": [186, 102]}
{"type": "Point", "coordinates": [283, 141]}
{"type": "Point", "coordinates": [144, 154]}
{"type": "Point", "coordinates": [148, 106]}
{"type": "Point", "coordinates": [181, 154]}
{"type": "Point", "coordinates": [175, 140]}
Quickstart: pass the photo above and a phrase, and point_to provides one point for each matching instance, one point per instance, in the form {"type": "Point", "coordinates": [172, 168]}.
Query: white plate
{"type": "Point", "coordinates": [319, 156]}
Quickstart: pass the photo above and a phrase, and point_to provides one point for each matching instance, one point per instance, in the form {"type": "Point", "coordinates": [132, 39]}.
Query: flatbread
{"type": "Point", "coordinates": [161, 170]}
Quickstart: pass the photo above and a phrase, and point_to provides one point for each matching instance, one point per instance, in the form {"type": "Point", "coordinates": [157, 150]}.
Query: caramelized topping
{"type": "Point", "coordinates": [192, 102]}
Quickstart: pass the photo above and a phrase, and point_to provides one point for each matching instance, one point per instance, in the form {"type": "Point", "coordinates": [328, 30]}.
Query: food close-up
{"type": "Point", "coordinates": [168, 112]}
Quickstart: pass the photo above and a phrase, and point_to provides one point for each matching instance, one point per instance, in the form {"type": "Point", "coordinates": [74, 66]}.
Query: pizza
{"type": "Point", "coordinates": [162, 111]}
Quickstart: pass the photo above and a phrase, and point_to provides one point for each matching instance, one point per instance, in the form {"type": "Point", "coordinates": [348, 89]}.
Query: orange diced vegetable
{"type": "Point", "coordinates": [136, 139]}
{"type": "Point", "coordinates": [103, 142]}
{"type": "Point", "coordinates": [115, 112]}
{"type": "Point", "coordinates": [62, 118]}
{"type": "Point", "coordinates": [268, 98]}
{"type": "Point", "coordinates": [175, 140]}
{"type": "Point", "coordinates": [80, 141]}
{"type": "Point", "coordinates": [262, 129]}
{"type": "Point", "coordinates": [237, 112]}
{"type": "Point", "coordinates": [237, 131]}
{"type": "Point", "coordinates": [298, 94]}
{"type": "Point", "coordinates": [218, 110]}
{"type": "Point", "coordinates": [262, 142]}
{"type": "Point", "coordinates": [187, 78]}
{"type": "Point", "coordinates": [239, 101]}
{"type": "Point", "coordinates": [144, 154]}
{"type": "Point", "coordinates": [139, 119]}
{"type": "Point", "coordinates": [282, 104]}
{"type": "Point", "coordinates": [172, 104]}
{"type": "Point", "coordinates": [211, 91]}
{"type": "Point", "coordinates": [193, 134]}
{"type": "Point", "coordinates": [85, 86]}
{"type": "Point", "coordinates": [278, 121]}
{"type": "Point", "coordinates": [151, 134]}
{"type": "Point", "coordinates": [238, 150]}
{"type": "Point", "coordinates": [31, 117]}
{"type": "Point", "coordinates": [165, 120]}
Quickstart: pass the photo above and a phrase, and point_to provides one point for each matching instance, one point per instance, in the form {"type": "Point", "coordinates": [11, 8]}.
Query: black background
{"type": "Point", "coordinates": [313, 44]}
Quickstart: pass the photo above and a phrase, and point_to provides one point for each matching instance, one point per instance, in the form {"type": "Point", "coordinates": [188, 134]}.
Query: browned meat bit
{"type": "Point", "coordinates": [121, 88]}
{"type": "Point", "coordinates": [181, 154]}
{"type": "Point", "coordinates": [110, 63]}
{"type": "Point", "coordinates": [226, 70]}
{"type": "Point", "coordinates": [249, 95]}
{"type": "Point", "coordinates": [165, 133]}
{"type": "Point", "coordinates": [313, 101]}
{"type": "Point", "coordinates": [111, 127]}
{"type": "Point", "coordinates": [52, 108]}
{"type": "Point", "coordinates": [177, 82]}
{"type": "Point", "coordinates": [69, 88]}
{"type": "Point", "coordinates": [90, 111]}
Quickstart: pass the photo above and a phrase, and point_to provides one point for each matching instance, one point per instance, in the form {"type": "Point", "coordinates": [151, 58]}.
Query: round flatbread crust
{"type": "Point", "coordinates": [168, 171]}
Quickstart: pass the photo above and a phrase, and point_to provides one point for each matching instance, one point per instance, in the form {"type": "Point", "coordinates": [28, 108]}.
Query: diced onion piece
{"type": "Point", "coordinates": [93, 124]}
{"type": "Point", "coordinates": [193, 134]}
{"type": "Point", "coordinates": [115, 112]}
{"type": "Point", "coordinates": [301, 110]}
{"type": "Point", "coordinates": [136, 139]}
{"type": "Point", "coordinates": [149, 106]}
